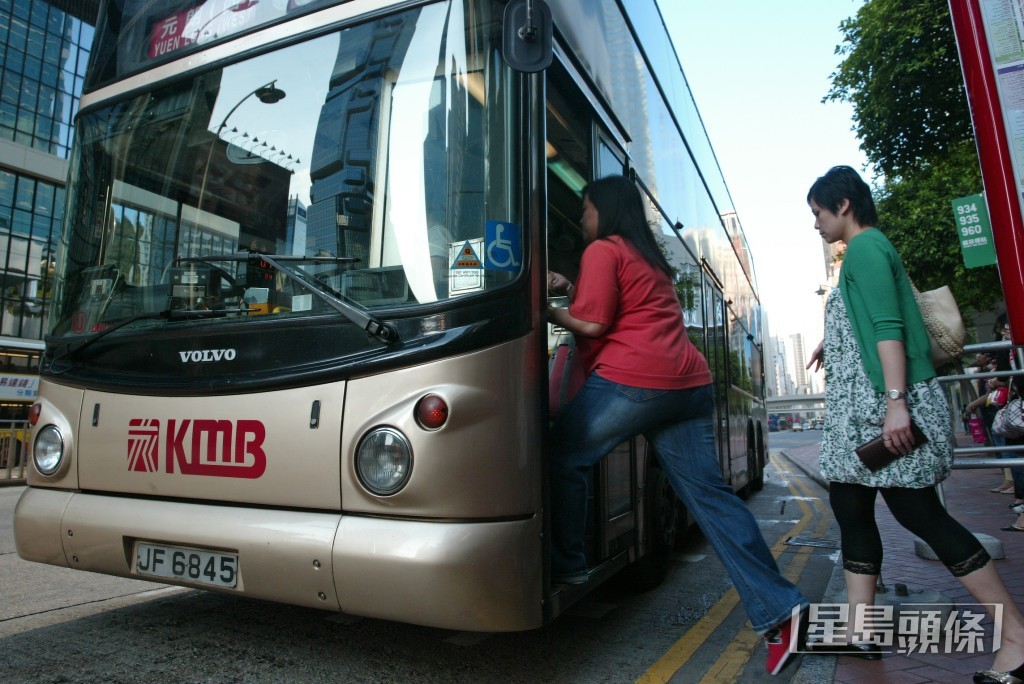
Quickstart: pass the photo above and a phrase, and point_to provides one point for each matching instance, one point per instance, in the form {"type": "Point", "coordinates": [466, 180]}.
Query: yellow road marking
{"type": "Point", "coordinates": [738, 654]}
{"type": "Point", "coordinates": [734, 658]}
{"type": "Point", "coordinates": [680, 653]}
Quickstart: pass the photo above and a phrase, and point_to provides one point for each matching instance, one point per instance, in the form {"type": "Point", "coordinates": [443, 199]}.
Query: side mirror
{"type": "Point", "coordinates": [526, 42]}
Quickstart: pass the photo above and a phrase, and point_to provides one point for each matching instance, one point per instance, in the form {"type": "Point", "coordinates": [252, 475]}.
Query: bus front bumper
{"type": "Point", "coordinates": [475, 576]}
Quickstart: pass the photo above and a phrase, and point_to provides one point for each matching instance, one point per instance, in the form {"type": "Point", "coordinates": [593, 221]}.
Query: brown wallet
{"type": "Point", "coordinates": [874, 454]}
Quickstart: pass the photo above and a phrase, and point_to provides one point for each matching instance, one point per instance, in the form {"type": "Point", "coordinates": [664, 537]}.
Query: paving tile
{"type": "Point", "coordinates": [931, 674]}
{"type": "Point", "coordinates": [908, 676]}
{"type": "Point", "coordinates": [961, 666]}
{"type": "Point", "coordinates": [846, 677]}
{"type": "Point", "coordinates": [895, 663]}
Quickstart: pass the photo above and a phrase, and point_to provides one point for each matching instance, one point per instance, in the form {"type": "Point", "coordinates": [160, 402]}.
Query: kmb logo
{"type": "Point", "coordinates": [212, 448]}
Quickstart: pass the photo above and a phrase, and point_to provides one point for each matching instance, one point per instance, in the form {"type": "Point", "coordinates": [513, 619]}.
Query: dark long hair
{"type": "Point", "coordinates": [842, 182]}
{"type": "Point", "coordinates": [620, 211]}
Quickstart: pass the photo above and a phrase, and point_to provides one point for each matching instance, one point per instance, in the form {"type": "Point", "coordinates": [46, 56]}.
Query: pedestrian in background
{"type": "Point", "coordinates": [1004, 360]}
{"type": "Point", "coordinates": [879, 377]}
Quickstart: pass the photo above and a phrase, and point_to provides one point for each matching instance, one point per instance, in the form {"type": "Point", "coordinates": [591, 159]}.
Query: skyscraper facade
{"type": "Point", "coordinates": [803, 378]}
{"type": "Point", "coordinates": [44, 50]}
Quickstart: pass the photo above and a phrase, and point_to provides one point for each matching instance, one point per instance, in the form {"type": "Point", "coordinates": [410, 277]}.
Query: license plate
{"type": "Point", "coordinates": [187, 565]}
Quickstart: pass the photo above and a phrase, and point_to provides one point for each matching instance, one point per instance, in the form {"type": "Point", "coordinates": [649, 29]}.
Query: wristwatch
{"type": "Point", "coordinates": [895, 394]}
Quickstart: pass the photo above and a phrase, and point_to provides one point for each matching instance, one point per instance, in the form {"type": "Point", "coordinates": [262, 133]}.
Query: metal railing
{"type": "Point", "coordinates": [980, 462]}
{"type": "Point", "coordinates": [14, 443]}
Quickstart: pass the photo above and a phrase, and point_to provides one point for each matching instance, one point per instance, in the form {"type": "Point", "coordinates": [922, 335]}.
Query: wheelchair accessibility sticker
{"type": "Point", "coordinates": [504, 246]}
{"type": "Point", "coordinates": [501, 249]}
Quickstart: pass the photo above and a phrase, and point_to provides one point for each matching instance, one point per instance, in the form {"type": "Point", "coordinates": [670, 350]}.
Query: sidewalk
{"type": "Point", "coordinates": [968, 498]}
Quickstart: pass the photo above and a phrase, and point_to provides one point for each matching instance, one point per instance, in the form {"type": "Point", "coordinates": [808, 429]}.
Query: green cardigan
{"type": "Point", "coordinates": [880, 304]}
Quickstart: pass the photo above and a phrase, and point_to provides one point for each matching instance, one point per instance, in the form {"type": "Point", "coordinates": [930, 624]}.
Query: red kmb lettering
{"type": "Point", "coordinates": [249, 442]}
{"type": "Point", "coordinates": [218, 448]}
{"type": "Point", "coordinates": [175, 449]}
{"type": "Point", "coordinates": [212, 429]}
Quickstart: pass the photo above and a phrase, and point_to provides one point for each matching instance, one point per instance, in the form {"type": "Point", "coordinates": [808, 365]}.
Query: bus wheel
{"type": "Point", "coordinates": [661, 514]}
{"type": "Point", "coordinates": [755, 463]}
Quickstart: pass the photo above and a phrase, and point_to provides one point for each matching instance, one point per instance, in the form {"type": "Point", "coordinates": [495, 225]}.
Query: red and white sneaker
{"type": "Point", "coordinates": [783, 642]}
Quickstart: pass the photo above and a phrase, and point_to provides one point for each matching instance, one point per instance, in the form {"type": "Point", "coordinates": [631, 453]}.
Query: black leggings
{"type": "Point", "coordinates": [918, 510]}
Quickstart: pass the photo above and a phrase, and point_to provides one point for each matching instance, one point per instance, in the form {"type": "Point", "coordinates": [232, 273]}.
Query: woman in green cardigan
{"type": "Point", "coordinates": [879, 376]}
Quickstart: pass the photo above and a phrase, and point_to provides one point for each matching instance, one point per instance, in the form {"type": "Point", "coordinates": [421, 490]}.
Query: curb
{"type": "Point", "coordinates": [812, 473]}
{"type": "Point", "coordinates": [819, 667]}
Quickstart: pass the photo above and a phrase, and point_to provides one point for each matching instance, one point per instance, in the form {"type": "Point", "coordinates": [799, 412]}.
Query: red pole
{"type": "Point", "coordinates": [1004, 203]}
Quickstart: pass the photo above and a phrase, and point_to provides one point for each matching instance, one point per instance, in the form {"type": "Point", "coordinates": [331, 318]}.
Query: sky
{"type": "Point", "coordinates": [759, 71]}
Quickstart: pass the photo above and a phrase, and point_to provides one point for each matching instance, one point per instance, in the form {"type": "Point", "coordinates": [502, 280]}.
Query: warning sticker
{"type": "Point", "coordinates": [466, 273]}
{"type": "Point", "coordinates": [467, 257]}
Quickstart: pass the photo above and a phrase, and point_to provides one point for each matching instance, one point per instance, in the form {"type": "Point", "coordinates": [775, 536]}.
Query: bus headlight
{"type": "Point", "coordinates": [384, 461]}
{"type": "Point", "coordinates": [48, 450]}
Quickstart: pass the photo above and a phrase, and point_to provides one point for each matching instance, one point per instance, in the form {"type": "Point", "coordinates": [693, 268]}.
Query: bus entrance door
{"type": "Point", "coordinates": [717, 353]}
{"type": "Point", "coordinates": [572, 161]}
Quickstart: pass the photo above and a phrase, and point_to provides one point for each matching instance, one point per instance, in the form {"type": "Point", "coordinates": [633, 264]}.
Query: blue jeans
{"type": "Point", "coordinates": [680, 426]}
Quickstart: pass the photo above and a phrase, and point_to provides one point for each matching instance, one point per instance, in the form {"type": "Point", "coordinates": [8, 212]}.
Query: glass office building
{"type": "Point", "coordinates": [44, 48]}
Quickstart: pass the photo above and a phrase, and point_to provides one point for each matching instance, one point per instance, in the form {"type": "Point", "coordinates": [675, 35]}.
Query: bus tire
{"type": "Point", "coordinates": [661, 513]}
{"type": "Point", "coordinates": [756, 464]}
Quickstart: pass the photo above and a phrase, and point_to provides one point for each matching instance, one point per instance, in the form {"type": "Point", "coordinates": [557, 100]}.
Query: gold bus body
{"type": "Point", "coordinates": [459, 547]}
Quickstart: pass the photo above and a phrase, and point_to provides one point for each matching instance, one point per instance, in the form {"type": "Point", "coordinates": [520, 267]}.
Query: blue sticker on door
{"type": "Point", "coordinates": [503, 246]}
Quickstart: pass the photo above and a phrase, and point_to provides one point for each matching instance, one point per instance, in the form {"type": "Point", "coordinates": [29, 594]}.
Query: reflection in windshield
{"type": "Point", "coordinates": [392, 161]}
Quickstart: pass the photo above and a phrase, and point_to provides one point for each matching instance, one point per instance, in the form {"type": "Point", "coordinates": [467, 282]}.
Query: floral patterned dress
{"type": "Point", "coordinates": [855, 413]}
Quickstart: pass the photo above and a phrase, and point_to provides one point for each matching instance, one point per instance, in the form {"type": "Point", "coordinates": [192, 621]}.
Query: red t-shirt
{"type": "Point", "coordinates": [645, 344]}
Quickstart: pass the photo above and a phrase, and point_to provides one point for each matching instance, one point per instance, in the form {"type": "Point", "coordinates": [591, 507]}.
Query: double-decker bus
{"type": "Point", "coordinates": [297, 347]}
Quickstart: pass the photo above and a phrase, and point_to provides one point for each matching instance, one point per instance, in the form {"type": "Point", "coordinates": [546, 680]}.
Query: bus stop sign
{"type": "Point", "coordinates": [974, 230]}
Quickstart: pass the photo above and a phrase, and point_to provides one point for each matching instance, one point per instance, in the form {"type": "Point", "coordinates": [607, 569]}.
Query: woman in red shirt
{"type": "Point", "coordinates": [645, 377]}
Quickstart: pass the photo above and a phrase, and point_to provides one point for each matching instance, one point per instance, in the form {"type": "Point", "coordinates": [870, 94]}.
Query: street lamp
{"type": "Point", "coordinates": [268, 93]}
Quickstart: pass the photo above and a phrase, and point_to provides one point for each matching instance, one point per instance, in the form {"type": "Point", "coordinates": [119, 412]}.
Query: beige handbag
{"type": "Point", "coordinates": [945, 325]}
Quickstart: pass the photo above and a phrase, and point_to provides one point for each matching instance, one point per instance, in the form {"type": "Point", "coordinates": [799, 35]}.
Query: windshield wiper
{"type": "Point", "coordinates": [374, 327]}
{"type": "Point", "coordinates": [78, 345]}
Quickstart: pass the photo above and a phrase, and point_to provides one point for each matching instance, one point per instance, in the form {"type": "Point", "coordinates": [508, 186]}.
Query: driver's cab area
{"type": "Point", "coordinates": [380, 178]}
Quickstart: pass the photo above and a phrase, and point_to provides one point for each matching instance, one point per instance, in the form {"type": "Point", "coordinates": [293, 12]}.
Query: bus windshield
{"type": "Point", "coordinates": [377, 176]}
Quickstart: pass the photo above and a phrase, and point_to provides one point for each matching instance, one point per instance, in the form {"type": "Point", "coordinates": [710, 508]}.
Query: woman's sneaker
{"type": "Point", "coordinates": [784, 641]}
